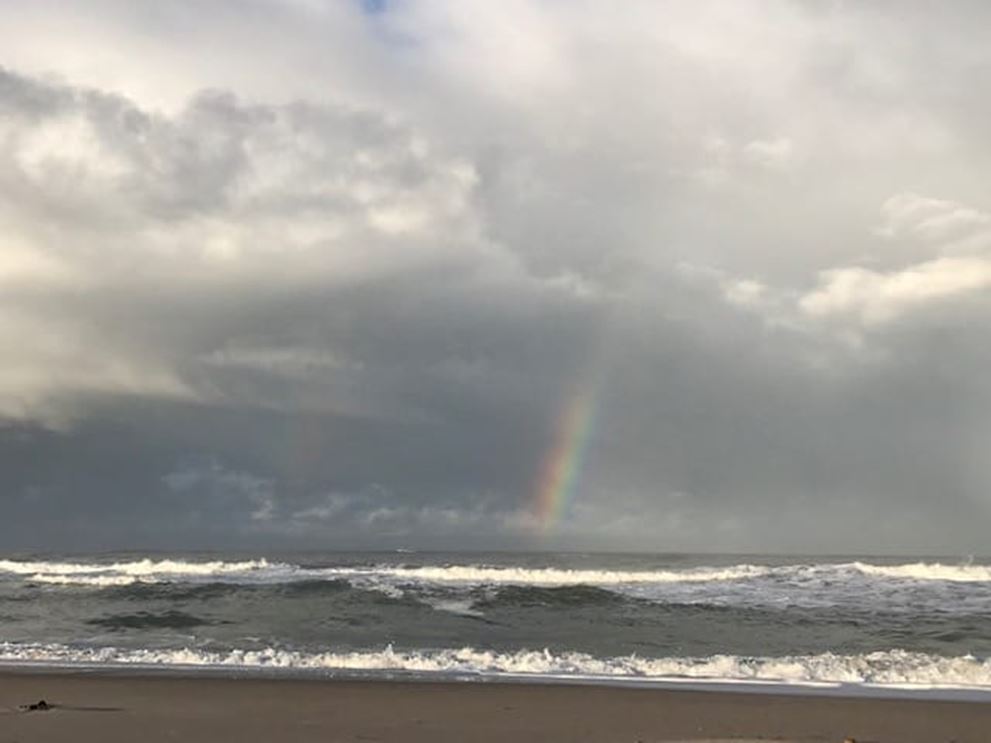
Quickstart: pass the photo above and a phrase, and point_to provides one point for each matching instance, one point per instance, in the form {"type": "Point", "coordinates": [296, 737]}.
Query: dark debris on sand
{"type": "Point", "coordinates": [40, 706]}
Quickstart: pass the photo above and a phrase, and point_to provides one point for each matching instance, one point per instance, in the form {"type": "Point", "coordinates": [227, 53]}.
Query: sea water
{"type": "Point", "coordinates": [859, 623]}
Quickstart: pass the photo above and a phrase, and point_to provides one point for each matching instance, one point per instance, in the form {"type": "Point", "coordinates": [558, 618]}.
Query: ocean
{"type": "Point", "coordinates": [858, 624]}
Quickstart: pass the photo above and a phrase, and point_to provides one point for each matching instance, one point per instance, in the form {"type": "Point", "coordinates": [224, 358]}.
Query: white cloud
{"type": "Point", "coordinates": [862, 297]}
{"type": "Point", "coordinates": [101, 198]}
{"type": "Point", "coordinates": [298, 362]}
{"type": "Point", "coordinates": [745, 292]}
{"type": "Point", "coordinates": [49, 365]}
{"type": "Point", "coordinates": [909, 215]}
{"type": "Point", "coordinates": [873, 297]}
{"type": "Point", "coordinates": [22, 265]}
{"type": "Point", "coordinates": [773, 154]}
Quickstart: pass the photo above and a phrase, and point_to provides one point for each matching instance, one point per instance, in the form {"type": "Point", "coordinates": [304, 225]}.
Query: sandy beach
{"type": "Point", "coordinates": [110, 707]}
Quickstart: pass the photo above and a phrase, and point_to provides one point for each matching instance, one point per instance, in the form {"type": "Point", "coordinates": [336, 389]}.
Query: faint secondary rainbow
{"type": "Point", "coordinates": [563, 462]}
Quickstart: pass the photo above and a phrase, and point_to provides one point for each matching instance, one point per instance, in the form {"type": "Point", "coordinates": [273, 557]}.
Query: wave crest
{"type": "Point", "coordinates": [480, 574]}
{"type": "Point", "coordinates": [261, 571]}
{"type": "Point", "coordinates": [895, 668]}
{"type": "Point", "coordinates": [140, 571]}
{"type": "Point", "coordinates": [929, 571]}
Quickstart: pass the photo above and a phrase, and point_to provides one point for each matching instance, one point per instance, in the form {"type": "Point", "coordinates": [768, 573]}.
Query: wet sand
{"type": "Point", "coordinates": [107, 708]}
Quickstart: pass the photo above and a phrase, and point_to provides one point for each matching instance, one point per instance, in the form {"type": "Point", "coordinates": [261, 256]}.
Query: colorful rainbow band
{"type": "Point", "coordinates": [563, 463]}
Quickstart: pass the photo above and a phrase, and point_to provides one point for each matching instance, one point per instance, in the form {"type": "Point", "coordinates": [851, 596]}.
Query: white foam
{"type": "Point", "coordinates": [484, 575]}
{"type": "Point", "coordinates": [86, 580]}
{"type": "Point", "coordinates": [893, 669]}
{"type": "Point", "coordinates": [384, 576]}
{"type": "Point", "coordinates": [460, 606]}
{"type": "Point", "coordinates": [927, 571]}
{"type": "Point", "coordinates": [145, 567]}
{"type": "Point", "coordinates": [262, 571]}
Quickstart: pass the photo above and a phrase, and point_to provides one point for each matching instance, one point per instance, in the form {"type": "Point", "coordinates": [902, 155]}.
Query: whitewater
{"type": "Point", "coordinates": [862, 623]}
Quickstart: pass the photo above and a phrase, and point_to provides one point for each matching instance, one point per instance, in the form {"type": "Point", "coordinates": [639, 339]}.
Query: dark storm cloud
{"type": "Point", "coordinates": [340, 293]}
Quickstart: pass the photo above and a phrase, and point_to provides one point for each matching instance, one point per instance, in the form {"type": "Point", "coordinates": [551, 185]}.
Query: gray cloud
{"type": "Point", "coordinates": [341, 293]}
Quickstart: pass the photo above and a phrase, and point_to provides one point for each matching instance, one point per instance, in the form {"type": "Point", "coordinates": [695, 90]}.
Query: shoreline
{"type": "Point", "coordinates": [275, 674]}
{"type": "Point", "coordinates": [108, 706]}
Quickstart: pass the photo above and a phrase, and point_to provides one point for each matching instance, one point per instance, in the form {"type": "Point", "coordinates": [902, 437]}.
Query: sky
{"type": "Point", "coordinates": [530, 274]}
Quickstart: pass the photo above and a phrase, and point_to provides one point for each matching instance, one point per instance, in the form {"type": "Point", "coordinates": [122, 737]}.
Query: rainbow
{"type": "Point", "coordinates": [563, 462]}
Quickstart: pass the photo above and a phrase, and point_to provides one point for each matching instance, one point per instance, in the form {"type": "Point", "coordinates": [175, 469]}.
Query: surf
{"type": "Point", "coordinates": [883, 669]}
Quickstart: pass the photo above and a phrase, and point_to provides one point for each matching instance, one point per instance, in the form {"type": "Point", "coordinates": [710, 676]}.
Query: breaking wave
{"type": "Point", "coordinates": [101, 581]}
{"type": "Point", "coordinates": [483, 575]}
{"type": "Point", "coordinates": [894, 668]}
{"type": "Point", "coordinates": [123, 573]}
{"type": "Point", "coordinates": [926, 571]}
{"type": "Point", "coordinates": [261, 571]}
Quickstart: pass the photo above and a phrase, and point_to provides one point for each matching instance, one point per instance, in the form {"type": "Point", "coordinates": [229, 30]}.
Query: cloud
{"type": "Point", "coordinates": [954, 269]}
{"type": "Point", "coordinates": [772, 154]}
{"type": "Point", "coordinates": [222, 202]}
{"type": "Point", "coordinates": [224, 186]}
{"type": "Point", "coordinates": [218, 489]}
{"type": "Point", "coordinates": [347, 264]}
{"type": "Point", "coordinates": [377, 512]}
{"type": "Point", "coordinates": [875, 297]}
{"type": "Point", "coordinates": [872, 296]}
{"type": "Point", "coordinates": [911, 215]}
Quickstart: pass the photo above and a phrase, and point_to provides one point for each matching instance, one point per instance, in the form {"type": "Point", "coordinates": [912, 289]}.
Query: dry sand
{"type": "Point", "coordinates": [108, 708]}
